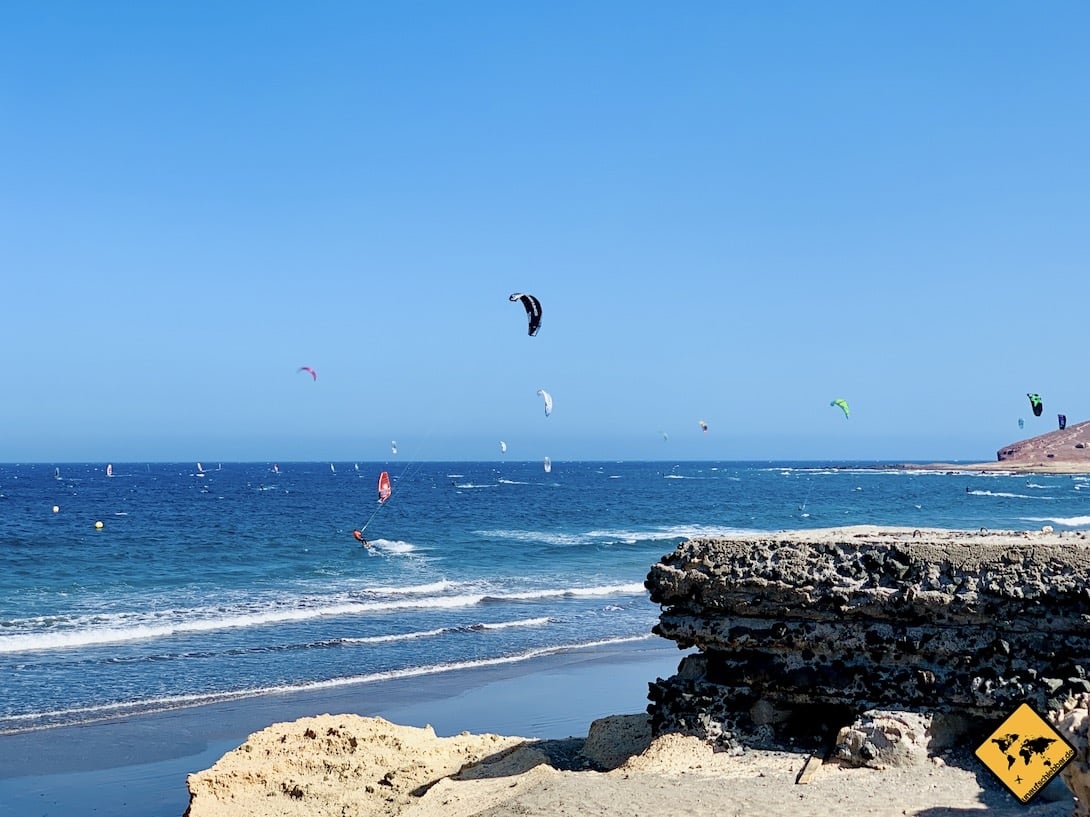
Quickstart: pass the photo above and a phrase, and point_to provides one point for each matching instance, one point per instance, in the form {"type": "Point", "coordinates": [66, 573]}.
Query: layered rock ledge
{"type": "Point", "coordinates": [809, 629]}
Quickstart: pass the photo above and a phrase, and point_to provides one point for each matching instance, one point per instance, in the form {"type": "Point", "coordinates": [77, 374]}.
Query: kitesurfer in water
{"type": "Point", "coordinates": [359, 538]}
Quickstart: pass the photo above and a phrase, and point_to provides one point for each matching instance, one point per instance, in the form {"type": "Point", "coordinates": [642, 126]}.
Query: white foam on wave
{"type": "Point", "coordinates": [386, 639]}
{"type": "Point", "coordinates": [1007, 494]}
{"type": "Point", "coordinates": [394, 546]}
{"type": "Point", "coordinates": [633, 588]}
{"type": "Point", "coordinates": [144, 628]}
{"type": "Point", "coordinates": [607, 535]}
{"type": "Point", "coordinates": [480, 627]}
{"type": "Point", "coordinates": [789, 470]}
{"type": "Point", "coordinates": [1066, 521]}
{"type": "Point", "coordinates": [626, 536]}
{"type": "Point", "coordinates": [538, 537]}
{"type": "Point", "coordinates": [505, 481]}
{"type": "Point", "coordinates": [13, 724]}
{"type": "Point", "coordinates": [697, 531]}
{"type": "Point", "coordinates": [433, 587]}
{"type": "Point", "coordinates": [523, 622]}
{"type": "Point", "coordinates": [94, 631]}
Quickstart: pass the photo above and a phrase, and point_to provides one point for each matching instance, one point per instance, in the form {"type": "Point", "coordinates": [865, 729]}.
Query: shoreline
{"type": "Point", "coordinates": [139, 764]}
{"type": "Point", "coordinates": [1003, 467]}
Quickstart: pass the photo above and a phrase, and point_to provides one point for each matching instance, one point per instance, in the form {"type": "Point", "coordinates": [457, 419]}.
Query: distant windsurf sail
{"type": "Point", "coordinates": [1063, 421]}
{"type": "Point", "coordinates": [110, 470]}
{"type": "Point", "coordinates": [384, 489]}
{"type": "Point", "coordinates": [503, 447]}
{"type": "Point", "coordinates": [56, 473]}
{"type": "Point", "coordinates": [548, 465]}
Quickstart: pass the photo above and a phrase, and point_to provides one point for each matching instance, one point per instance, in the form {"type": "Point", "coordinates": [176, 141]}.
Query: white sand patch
{"type": "Point", "coordinates": [350, 765]}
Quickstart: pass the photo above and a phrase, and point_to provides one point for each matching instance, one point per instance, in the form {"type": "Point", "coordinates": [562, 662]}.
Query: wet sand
{"type": "Point", "coordinates": [138, 766]}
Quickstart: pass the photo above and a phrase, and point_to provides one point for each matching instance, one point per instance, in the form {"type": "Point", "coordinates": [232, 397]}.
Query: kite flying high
{"type": "Point", "coordinates": [533, 311]}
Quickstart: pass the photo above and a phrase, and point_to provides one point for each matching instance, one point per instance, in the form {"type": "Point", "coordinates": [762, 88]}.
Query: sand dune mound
{"type": "Point", "coordinates": [341, 764]}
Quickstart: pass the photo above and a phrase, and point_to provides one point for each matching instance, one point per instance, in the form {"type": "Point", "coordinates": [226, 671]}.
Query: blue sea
{"type": "Point", "coordinates": [244, 579]}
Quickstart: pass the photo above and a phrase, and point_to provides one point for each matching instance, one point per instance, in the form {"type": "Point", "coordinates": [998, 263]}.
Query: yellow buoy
{"type": "Point", "coordinates": [56, 508]}
{"type": "Point", "coordinates": [98, 525]}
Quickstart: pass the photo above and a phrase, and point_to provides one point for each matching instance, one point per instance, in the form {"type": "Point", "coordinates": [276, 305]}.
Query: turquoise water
{"type": "Point", "coordinates": [238, 581]}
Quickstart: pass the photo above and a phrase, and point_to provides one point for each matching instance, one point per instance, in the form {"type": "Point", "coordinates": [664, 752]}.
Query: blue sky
{"type": "Point", "coordinates": [731, 212]}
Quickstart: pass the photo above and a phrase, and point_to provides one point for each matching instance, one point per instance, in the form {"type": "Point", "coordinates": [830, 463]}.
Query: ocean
{"type": "Point", "coordinates": [237, 580]}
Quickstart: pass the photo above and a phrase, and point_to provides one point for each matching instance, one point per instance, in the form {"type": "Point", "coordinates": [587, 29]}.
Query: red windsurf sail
{"type": "Point", "coordinates": [383, 486]}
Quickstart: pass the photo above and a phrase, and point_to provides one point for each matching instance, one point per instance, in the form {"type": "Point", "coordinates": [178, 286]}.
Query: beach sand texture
{"type": "Point", "coordinates": [352, 765]}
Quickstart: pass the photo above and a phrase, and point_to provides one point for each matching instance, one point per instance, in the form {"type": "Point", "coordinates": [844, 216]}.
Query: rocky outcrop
{"type": "Point", "coordinates": [804, 631]}
{"type": "Point", "coordinates": [1071, 444]}
{"type": "Point", "coordinates": [882, 740]}
{"type": "Point", "coordinates": [1072, 720]}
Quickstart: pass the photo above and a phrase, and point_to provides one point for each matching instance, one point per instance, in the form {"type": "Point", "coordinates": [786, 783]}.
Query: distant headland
{"type": "Point", "coordinates": [1064, 451]}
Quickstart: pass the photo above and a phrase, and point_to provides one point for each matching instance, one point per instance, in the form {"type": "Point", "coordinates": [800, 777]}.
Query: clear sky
{"type": "Point", "coordinates": [731, 212]}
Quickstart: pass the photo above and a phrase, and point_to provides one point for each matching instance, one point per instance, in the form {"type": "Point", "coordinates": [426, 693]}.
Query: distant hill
{"type": "Point", "coordinates": [1072, 444]}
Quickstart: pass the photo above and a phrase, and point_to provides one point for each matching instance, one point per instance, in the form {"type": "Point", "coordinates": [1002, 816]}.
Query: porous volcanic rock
{"type": "Point", "coordinates": [823, 625]}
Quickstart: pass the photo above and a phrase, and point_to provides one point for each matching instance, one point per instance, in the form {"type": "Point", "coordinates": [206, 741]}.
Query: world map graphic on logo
{"type": "Point", "coordinates": [1013, 744]}
{"type": "Point", "coordinates": [1025, 752]}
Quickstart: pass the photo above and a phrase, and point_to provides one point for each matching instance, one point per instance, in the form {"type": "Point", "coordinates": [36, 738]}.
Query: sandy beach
{"type": "Point", "coordinates": [343, 765]}
{"type": "Point", "coordinates": [502, 740]}
{"type": "Point", "coordinates": [138, 766]}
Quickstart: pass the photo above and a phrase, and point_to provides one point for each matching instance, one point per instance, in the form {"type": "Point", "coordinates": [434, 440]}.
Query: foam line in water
{"type": "Point", "coordinates": [1006, 494]}
{"type": "Point", "coordinates": [1066, 521]}
{"type": "Point", "coordinates": [14, 724]}
{"type": "Point", "coordinates": [78, 638]}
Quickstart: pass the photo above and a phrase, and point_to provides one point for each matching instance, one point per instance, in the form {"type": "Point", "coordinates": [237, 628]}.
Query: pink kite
{"type": "Point", "coordinates": [313, 373]}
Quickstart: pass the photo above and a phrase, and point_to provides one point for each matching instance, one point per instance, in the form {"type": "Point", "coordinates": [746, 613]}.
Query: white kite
{"type": "Point", "coordinates": [548, 398]}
